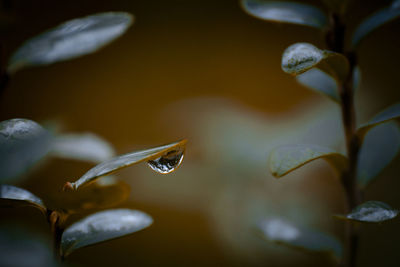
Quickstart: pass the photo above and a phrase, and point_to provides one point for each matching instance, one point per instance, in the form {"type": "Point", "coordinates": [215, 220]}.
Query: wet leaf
{"type": "Point", "coordinates": [70, 40]}
{"type": "Point", "coordinates": [285, 159]}
{"type": "Point", "coordinates": [19, 248]}
{"type": "Point", "coordinates": [371, 212]}
{"type": "Point", "coordinates": [105, 192]}
{"type": "Point", "coordinates": [374, 21]}
{"type": "Point", "coordinates": [15, 196]}
{"type": "Point", "coordinates": [287, 12]}
{"type": "Point", "coordinates": [320, 82]}
{"type": "Point", "coordinates": [381, 144]}
{"type": "Point", "coordinates": [390, 113]}
{"type": "Point", "coordinates": [282, 232]}
{"type": "Point", "coordinates": [300, 57]}
{"type": "Point", "coordinates": [22, 144]}
{"type": "Point", "coordinates": [103, 226]}
{"type": "Point", "coordinates": [163, 159]}
{"type": "Point", "coordinates": [87, 147]}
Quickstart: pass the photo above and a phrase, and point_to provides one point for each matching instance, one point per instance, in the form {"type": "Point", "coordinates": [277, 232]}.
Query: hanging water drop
{"type": "Point", "coordinates": [168, 162]}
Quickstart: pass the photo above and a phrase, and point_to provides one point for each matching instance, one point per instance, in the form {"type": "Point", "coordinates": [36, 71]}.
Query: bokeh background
{"type": "Point", "coordinates": [206, 71]}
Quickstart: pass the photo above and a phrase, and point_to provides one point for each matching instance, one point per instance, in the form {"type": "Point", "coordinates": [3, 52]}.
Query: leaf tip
{"type": "Point", "coordinates": [68, 187]}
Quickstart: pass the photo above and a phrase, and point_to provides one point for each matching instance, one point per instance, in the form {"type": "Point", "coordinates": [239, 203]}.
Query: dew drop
{"type": "Point", "coordinates": [168, 162]}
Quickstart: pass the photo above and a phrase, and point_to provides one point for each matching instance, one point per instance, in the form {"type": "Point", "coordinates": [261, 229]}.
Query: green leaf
{"type": "Point", "coordinates": [22, 144]}
{"type": "Point", "coordinates": [70, 40]}
{"type": "Point", "coordinates": [15, 196]}
{"type": "Point", "coordinates": [374, 21]}
{"type": "Point", "coordinates": [287, 12]}
{"type": "Point", "coordinates": [285, 159]}
{"type": "Point", "coordinates": [320, 82]}
{"type": "Point", "coordinates": [88, 147]}
{"type": "Point", "coordinates": [103, 226]}
{"type": "Point", "coordinates": [300, 57]}
{"type": "Point", "coordinates": [381, 145]}
{"type": "Point", "coordinates": [371, 212]}
{"type": "Point", "coordinates": [390, 113]}
{"type": "Point", "coordinates": [163, 159]}
{"type": "Point", "coordinates": [282, 232]}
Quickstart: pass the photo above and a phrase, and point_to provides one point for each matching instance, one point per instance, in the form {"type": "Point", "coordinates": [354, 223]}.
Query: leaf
{"type": "Point", "coordinates": [374, 21]}
{"type": "Point", "coordinates": [282, 232]}
{"type": "Point", "coordinates": [300, 57]}
{"type": "Point", "coordinates": [20, 248]}
{"type": "Point", "coordinates": [15, 196]}
{"type": "Point", "coordinates": [381, 144]}
{"type": "Point", "coordinates": [356, 78]}
{"type": "Point", "coordinates": [105, 192]}
{"type": "Point", "coordinates": [162, 159]}
{"type": "Point", "coordinates": [285, 159]}
{"type": "Point", "coordinates": [102, 226]}
{"type": "Point", "coordinates": [22, 144]}
{"type": "Point", "coordinates": [390, 113]}
{"type": "Point", "coordinates": [70, 40]}
{"type": "Point", "coordinates": [320, 82]}
{"type": "Point", "coordinates": [87, 147]}
{"type": "Point", "coordinates": [287, 12]}
{"type": "Point", "coordinates": [371, 212]}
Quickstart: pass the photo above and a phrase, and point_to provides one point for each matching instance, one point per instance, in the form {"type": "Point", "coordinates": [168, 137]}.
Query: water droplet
{"type": "Point", "coordinates": [168, 162]}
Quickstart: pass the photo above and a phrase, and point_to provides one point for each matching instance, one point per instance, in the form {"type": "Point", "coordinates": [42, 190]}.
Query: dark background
{"type": "Point", "coordinates": [180, 66]}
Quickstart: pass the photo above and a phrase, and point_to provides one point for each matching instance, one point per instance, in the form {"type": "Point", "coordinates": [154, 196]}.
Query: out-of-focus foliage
{"type": "Point", "coordinates": [70, 40]}
{"type": "Point", "coordinates": [374, 21]}
{"type": "Point", "coordinates": [285, 159]}
{"type": "Point", "coordinates": [15, 196]}
{"type": "Point", "coordinates": [286, 233]}
{"type": "Point", "coordinates": [102, 226]}
{"type": "Point", "coordinates": [287, 12]}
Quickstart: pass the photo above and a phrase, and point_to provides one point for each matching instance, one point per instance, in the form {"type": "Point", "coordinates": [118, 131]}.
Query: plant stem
{"type": "Point", "coordinates": [54, 218]}
{"type": "Point", "coordinates": [335, 42]}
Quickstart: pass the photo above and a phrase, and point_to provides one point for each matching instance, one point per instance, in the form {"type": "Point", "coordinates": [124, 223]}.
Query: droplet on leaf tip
{"type": "Point", "coordinates": [168, 162]}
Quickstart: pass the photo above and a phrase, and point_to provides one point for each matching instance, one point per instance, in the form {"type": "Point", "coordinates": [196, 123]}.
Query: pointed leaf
{"type": "Point", "coordinates": [390, 113]}
{"type": "Point", "coordinates": [287, 158]}
{"type": "Point", "coordinates": [22, 144]}
{"type": "Point", "coordinates": [102, 226]}
{"type": "Point", "coordinates": [300, 57]}
{"type": "Point", "coordinates": [163, 159]}
{"type": "Point", "coordinates": [87, 147]}
{"type": "Point", "coordinates": [320, 82]}
{"type": "Point", "coordinates": [287, 12]}
{"type": "Point", "coordinates": [374, 21]}
{"type": "Point", "coordinates": [15, 196]}
{"type": "Point", "coordinates": [285, 233]}
{"type": "Point", "coordinates": [381, 144]}
{"type": "Point", "coordinates": [371, 212]}
{"type": "Point", "coordinates": [70, 40]}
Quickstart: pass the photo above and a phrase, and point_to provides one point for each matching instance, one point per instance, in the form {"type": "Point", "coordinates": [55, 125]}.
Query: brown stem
{"type": "Point", "coordinates": [335, 42]}
{"type": "Point", "coordinates": [55, 219]}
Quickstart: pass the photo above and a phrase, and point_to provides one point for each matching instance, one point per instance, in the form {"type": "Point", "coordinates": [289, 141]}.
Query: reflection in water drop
{"type": "Point", "coordinates": [168, 162]}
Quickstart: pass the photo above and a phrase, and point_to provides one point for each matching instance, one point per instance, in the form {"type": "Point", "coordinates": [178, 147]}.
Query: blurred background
{"type": "Point", "coordinates": [206, 71]}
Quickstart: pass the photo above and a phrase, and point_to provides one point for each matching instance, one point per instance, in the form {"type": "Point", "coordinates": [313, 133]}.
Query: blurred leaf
{"type": "Point", "coordinates": [285, 233]}
{"type": "Point", "coordinates": [381, 144]}
{"type": "Point", "coordinates": [288, 12]}
{"type": "Point", "coordinates": [87, 147]}
{"type": "Point", "coordinates": [19, 248]}
{"type": "Point", "coordinates": [103, 226]}
{"type": "Point", "coordinates": [22, 144]}
{"type": "Point", "coordinates": [371, 212]}
{"type": "Point", "coordinates": [374, 21]}
{"type": "Point", "coordinates": [356, 78]}
{"type": "Point", "coordinates": [105, 192]}
{"type": "Point", "coordinates": [285, 159]}
{"type": "Point", "coordinates": [300, 57]}
{"type": "Point", "coordinates": [15, 196]}
{"type": "Point", "coordinates": [163, 159]}
{"type": "Point", "coordinates": [390, 113]}
{"type": "Point", "coordinates": [320, 82]}
{"type": "Point", "coordinates": [70, 40]}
